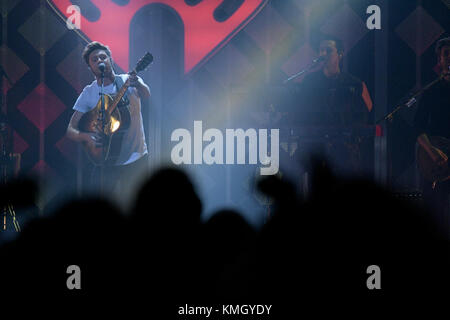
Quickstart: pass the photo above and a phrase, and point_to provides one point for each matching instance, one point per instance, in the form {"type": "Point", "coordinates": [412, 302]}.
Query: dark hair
{"type": "Point", "coordinates": [441, 43]}
{"type": "Point", "coordinates": [318, 38]}
{"type": "Point", "coordinates": [94, 45]}
{"type": "Point", "coordinates": [338, 42]}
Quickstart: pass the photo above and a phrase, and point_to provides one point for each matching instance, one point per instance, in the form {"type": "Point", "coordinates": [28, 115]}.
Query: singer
{"type": "Point", "coordinates": [132, 154]}
{"type": "Point", "coordinates": [337, 102]}
{"type": "Point", "coordinates": [331, 96]}
{"type": "Point", "coordinates": [432, 121]}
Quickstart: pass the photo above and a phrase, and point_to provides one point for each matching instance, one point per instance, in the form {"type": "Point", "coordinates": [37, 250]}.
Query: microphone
{"type": "Point", "coordinates": [318, 59]}
{"type": "Point", "coordinates": [310, 66]}
{"type": "Point", "coordinates": [101, 67]}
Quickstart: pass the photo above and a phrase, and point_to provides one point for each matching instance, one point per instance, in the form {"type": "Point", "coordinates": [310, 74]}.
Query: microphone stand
{"type": "Point", "coordinates": [308, 67]}
{"type": "Point", "coordinates": [6, 158]}
{"type": "Point", "coordinates": [102, 121]}
{"type": "Point", "coordinates": [290, 136]}
{"type": "Point", "coordinates": [412, 100]}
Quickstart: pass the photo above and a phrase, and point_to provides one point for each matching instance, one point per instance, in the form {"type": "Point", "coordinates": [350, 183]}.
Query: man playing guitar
{"type": "Point", "coordinates": [432, 123]}
{"type": "Point", "coordinates": [132, 154]}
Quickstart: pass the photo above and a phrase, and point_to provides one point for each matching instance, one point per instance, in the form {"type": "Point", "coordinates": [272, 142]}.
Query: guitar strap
{"type": "Point", "coordinates": [123, 104]}
{"type": "Point", "coordinates": [118, 82]}
{"type": "Point", "coordinates": [117, 138]}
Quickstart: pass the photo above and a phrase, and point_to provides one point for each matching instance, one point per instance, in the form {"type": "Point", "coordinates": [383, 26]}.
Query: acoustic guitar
{"type": "Point", "coordinates": [427, 168]}
{"type": "Point", "coordinates": [115, 122]}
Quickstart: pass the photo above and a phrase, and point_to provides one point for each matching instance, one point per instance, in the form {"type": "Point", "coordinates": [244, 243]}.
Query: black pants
{"type": "Point", "coordinates": [120, 182]}
{"type": "Point", "coordinates": [438, 202]}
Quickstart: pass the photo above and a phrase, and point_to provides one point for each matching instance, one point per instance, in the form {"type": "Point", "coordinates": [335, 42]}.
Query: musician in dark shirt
{"type": "Point", "coordinates": [338, 102]}
{"type": "Point", "coordinates": [432, 119]}
{"type": "Point", "coordinates": [433, 115]}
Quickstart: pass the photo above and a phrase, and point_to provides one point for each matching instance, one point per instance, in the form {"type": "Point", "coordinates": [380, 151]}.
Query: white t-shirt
{"type": "Point", "coordinates": [133, 144]}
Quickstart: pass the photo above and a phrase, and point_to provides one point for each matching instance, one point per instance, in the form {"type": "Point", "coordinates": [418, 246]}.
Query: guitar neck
{"type": "Point", "coordinates": [119, 95]}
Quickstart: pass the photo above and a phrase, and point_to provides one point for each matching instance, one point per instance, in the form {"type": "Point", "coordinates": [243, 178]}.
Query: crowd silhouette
{"type": "Point", "coordinates": [311, 250]}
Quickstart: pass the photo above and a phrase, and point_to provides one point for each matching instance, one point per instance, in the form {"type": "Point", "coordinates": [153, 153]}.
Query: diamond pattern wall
{"type": "Point", "coordinates": [419, 30]}
{"type": "Point", "coordinates": [268, 29]}
{"type": "Point", "coordinates": [11, 64]}
{"type": "Point", "coordinates": [42, 58]}
{"type": "Point", "coordinates": [41, 107]}
{"type": "Point", "coordinates": [42, 29]}
{"type": "Point", "coordinates": [347, 26]}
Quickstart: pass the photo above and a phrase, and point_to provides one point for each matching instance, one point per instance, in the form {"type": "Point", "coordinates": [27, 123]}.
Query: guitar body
{"type": "Point", "coordinates": [117, 121]}
{"type": "Point", "coordinates": [428, 169]}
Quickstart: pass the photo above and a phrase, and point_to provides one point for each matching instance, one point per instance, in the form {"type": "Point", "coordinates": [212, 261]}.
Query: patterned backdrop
{"type": "Point", "coordinates": [41, 57]}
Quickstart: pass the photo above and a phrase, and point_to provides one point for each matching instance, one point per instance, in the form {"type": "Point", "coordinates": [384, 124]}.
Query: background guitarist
{"type": "Point", "coordinates": [433, 119]}
{"type": "Point", "coordinates": [133, 154]}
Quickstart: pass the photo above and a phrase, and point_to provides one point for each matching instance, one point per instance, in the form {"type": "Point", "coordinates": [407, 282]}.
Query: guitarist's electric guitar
{"type": "Point", "coordinates": [116, 119]}
{"type": "Point", "coordinates": [427, 168]}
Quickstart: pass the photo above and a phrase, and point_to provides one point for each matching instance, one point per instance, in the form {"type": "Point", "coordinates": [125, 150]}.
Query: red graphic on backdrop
{"type": "Point", "coordinates": [203, 35]}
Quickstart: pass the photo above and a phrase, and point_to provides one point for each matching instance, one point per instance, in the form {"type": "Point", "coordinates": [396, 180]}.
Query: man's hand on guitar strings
{"type": "Point", "coordinates": [439, 158]}
{"type": "Point", "coordinates": [94, 139]}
